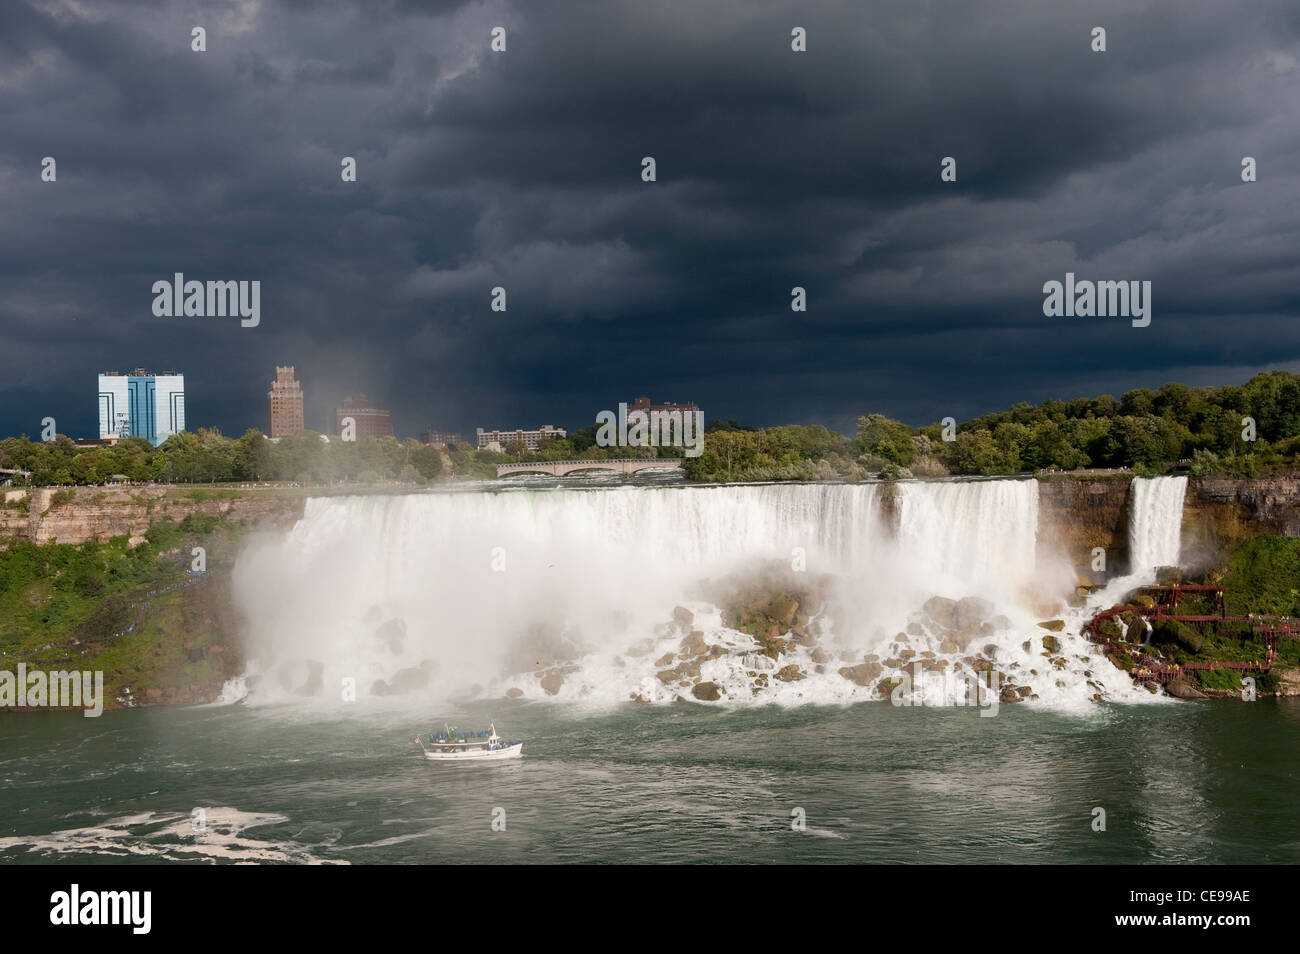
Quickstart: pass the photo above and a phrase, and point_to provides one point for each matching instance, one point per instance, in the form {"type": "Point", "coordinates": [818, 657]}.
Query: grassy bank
{"type": "Point", "coordinates": [140, 614]}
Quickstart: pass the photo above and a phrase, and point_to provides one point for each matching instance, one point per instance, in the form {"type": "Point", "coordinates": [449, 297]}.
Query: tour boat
{"type": "Point", "coordinates": [453, 746]}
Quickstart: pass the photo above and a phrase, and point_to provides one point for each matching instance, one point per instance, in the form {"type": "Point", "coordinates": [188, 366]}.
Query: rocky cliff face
{"type": "Point", "coordinates": [82, 514]}
{"type": "Point", "coordinates": [1076, 516]}
{"type": "Point", "coordinates": [1219, 514]}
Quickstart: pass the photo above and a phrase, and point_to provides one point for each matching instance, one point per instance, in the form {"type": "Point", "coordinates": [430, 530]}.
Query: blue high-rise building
{"type": "Point", "coordinates": [141, 404]}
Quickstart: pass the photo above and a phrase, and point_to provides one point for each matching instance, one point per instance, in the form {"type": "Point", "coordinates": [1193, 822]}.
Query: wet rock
{"type": "Point", "coordinates": [637, 697]}
{"type": "Point", "coordinates": [683, 617]}
{"type": "Point", "coordinates": [1287, 682]}
{"type": "Point", "coordinates": [1184, 688]}
{"type": "Point", "coordinates": [706, 691]}
{"type": "Point", "coordinates": [694, 644]}
{"type": "Point", "coordinates": [1053, 625]}
{"type": "Point", "coordinates": [404, 681]}
{"type": "Point", "coordinates": [863, 674]}
{"type": "Point", "coordinates": [1051, 644]}
{"type": "Point", "coordinates": [689, 668]}
{"type": "Point", "coordinates": [514, 693]}
{"type": "Point", "coordinates": [666, 659]}
{"type": "Point", "coordinates": [552, 681]}
{"type": "Point", "coordinates": [886, 687]}
{"type": "Point", "coordinates": [1009, 695]}
{"type": "Point", "coordinates": [820, 655]}
{"type": "Point", "coordinates": [667, 675]}
{"type": "Point", "coordinates": [791, 673]}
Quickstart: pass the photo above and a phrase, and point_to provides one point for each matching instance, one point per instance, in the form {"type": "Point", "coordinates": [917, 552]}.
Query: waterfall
{"type": "Point", "coordinates": [971, 533]}
{"type": "Point", "coordinates": [444, 591]}
{"type": "Point", "coordinates": [1155, 523]}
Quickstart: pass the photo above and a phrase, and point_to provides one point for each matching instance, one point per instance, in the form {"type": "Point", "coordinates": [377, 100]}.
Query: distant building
{"type": "Point", "coordinates": [501, 440]}
{"type": "Point", "coordinates": [370, 421]}
{"type": "Point", "coordinates": [141, 404]}
{"type": "Point", "coordinates": [430, 436]}
{"type": "Point", "coordinates": [643, 404]}
{"type": "Point", "coordinates": [286, 404]}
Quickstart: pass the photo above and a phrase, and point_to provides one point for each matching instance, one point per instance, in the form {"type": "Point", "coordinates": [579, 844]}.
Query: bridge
{"type": "Point", "coordinates": [558, 468]}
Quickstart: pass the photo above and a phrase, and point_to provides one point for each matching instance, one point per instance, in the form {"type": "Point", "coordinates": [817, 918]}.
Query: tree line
{"type": "Point", "coordinates": [1244, 430]}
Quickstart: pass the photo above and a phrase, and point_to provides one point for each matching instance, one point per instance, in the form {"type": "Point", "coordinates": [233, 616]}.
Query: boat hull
{"type": "Point", "coordinates": [497, 755]}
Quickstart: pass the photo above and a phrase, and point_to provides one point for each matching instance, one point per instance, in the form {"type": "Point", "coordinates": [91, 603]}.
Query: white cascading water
{"type": "Point", "coordinates": [1155, 533]}
{"type": "Point", "coordinates": [980, 534]}
{"type": "Point", "coordinates": [1156, 523]}
{"type": "Point", "coordinates": [419, 597]}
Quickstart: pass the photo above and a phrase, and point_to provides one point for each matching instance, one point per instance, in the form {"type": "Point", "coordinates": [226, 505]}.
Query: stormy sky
{"type": "Point", "coordinates": [523, 169]}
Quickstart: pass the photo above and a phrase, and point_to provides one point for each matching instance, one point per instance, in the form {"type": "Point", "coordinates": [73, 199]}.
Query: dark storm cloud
{"type": "Point", "coordinates": [522, 169]}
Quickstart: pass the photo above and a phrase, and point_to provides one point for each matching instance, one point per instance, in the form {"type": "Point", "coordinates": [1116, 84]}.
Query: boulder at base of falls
{"type": "Point", "coordinates": [694, 644]}
{"type": "Point", "coordinates": [1288, 682]}
{"type": "Point", "coordinates": [863, 674]}
{"type": "Point", "coordinates": [790, 673]}
{"type": "Point", "coordinates": [958, 621]}
{"type": "Point", "coordinates": [1184, 688]}
{"type": "Point", "coordinates": [514, 693]}
{"type": "Point", "coordinates": [404, 681]}
{"type": "Point", "coordinates": [1051, 644]}
{"type": "Point", "coordinates": [820, 655]}
{"type": "Point", "coordinates": [706, 692]}
{"type": "Point", "coordinates": [1053, 625]}
{"type": "Point", "coordinates": [683, 617]}
{"type": "Point", "coordinates": [1010, 695]}
{"type": "Point", "coordinates": [886, 687]}
{"type": "Point", "coordinates": [552, 681]}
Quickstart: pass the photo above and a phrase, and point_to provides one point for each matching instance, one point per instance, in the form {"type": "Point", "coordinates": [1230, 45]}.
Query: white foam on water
{"type": "Point", "coordinates": [164, 836]}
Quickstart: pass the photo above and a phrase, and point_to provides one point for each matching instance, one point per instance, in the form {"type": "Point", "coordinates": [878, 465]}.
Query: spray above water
{"type": "Point", "coordinates": [570, 594]}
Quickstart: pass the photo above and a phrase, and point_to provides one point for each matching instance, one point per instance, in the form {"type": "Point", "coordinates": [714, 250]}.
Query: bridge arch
{"type": "Point", "coordinates": [559, 468]}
